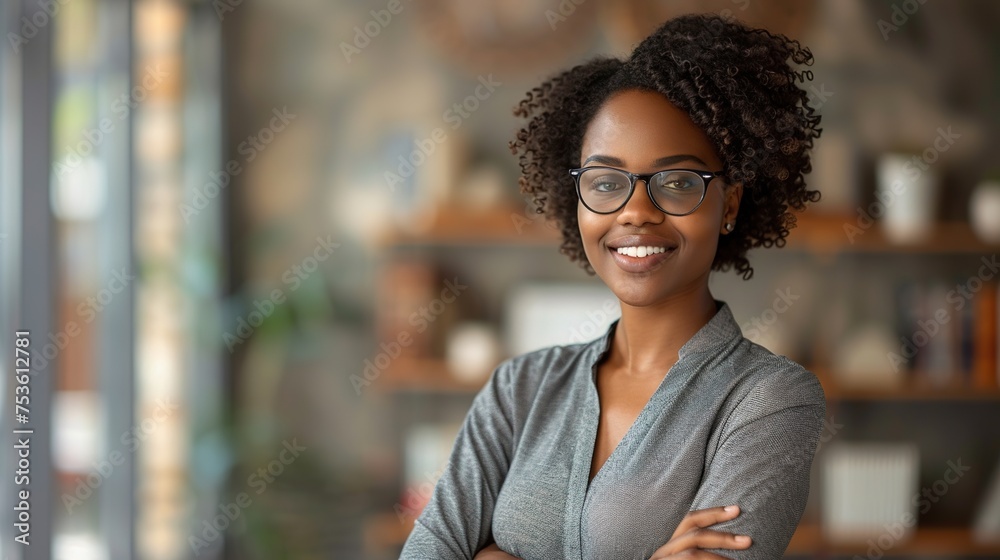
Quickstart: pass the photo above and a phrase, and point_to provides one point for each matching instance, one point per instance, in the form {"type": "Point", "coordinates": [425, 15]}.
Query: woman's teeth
{"type": "Point", "coordinates": [640, 251]}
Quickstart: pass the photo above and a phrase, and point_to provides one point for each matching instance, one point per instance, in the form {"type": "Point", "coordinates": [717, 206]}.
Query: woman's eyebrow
{"type": "Point", "coordinates": [663, 161]}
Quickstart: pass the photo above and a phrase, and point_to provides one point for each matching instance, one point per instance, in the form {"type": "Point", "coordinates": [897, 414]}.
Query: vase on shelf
{"type": "Point", "coordinates": [984, 211]}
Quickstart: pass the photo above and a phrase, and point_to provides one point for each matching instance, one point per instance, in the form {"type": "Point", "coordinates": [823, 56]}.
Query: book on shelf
{"type": "Point", "coordinates": [950, 332]}
{"type": "Point", "coordinates": [986, 333]}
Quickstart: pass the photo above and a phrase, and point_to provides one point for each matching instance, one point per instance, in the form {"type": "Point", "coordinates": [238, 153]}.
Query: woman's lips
{"type": "Point", "coordinates": [640, 264]}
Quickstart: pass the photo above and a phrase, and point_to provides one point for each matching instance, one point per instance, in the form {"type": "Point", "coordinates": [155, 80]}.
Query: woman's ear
{"type": "Point", "coordinates": [731, 206]}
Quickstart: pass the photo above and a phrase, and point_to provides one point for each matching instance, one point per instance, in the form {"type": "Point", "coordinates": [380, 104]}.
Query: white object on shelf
{"type": "Point", "coordinates": [906, 193]}
{"type": "Point", "coordinates": [473, 351]}
{"type": "Point", "coordinates": [986, 525]}
{"type": "Point", "coordinates": [543, 315]}
{"type": "Point", "coordinates": [984, 211]}
{"type": "Point", "coordinates": [868, 491]}
{"type": "Point", "coordinates": [427, 448]}
{"type": "Point", "coordinates": [862, 359]}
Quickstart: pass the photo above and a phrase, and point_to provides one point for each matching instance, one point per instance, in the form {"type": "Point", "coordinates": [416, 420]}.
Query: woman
{"type": "Point", "coordinates": [658, 169]}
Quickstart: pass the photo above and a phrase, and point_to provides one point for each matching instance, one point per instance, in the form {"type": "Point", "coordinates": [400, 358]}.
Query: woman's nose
{"type": "Point", "coordinates": [640, 209]}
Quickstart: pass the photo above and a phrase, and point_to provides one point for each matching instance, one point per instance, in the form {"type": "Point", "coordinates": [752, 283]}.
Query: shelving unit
{"type": "Point", "coordinates": [431, 375]}
{"type": "Point", "coordinates": [925, 541]}
{"type": "Point", "coordinates": [819, 234]}
{"type": "Point", "coordinates": [820, 237]}
{"type": "Point", "coordinates": [808, 539]}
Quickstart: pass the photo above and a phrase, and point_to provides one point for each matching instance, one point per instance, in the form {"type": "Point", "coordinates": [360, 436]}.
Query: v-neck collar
{"type": "Point", "coordinates": [711, 339]}
{"type": "Point", "coordinates": [712, 336]}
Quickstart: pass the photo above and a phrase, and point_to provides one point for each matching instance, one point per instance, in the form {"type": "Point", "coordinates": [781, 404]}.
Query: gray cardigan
{"type": "Point", "coordinates": [731, 423]}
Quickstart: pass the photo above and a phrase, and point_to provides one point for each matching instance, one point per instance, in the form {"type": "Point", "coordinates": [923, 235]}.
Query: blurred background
{"type": "Point", "coordinates": [263, 254]}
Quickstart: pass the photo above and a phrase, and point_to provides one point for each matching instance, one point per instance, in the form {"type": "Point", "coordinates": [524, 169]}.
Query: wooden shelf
{"type": "Point", "coordinates": [433, 376]}
{"type": "Point", "coordinates": [827, 235]}
{"type": "Point", "coordinates": [455, 225]}
{"type": "Point", "coordinates": [816, 233]}
{"type": "Point", "coordinates": [925, 541]}
{"type": "Point", "coordinates": [911, 392]}
{"type": "Point", "coordinates": [386, 530]}
{"type": "Point", "coordinates": [411, 375]}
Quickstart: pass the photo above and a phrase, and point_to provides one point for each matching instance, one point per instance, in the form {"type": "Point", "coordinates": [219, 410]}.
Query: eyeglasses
{"type": "Point", "coordinates": [677, 192]}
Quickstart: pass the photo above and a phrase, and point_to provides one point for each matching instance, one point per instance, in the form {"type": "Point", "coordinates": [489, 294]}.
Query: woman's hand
{"type": "Point", "coordinates": [493, 552]}
{"type": "Point", "coordinates": [691, 535]}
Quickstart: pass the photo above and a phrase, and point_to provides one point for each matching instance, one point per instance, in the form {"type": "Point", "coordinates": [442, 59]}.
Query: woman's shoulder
{"type": "Point", "coordinates": [774, 381]}
{"type": "Point", "coordinates": [551, 364]}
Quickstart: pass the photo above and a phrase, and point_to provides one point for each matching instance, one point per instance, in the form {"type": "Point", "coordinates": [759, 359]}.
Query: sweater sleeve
{"type": "Point", "coordinates": [456, 522]}
{"type": "Point", "coordinates": [763, 463]}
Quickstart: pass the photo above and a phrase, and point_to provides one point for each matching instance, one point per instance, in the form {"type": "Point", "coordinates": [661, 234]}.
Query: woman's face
{"type": "Point", "coordinates": [642, 132]}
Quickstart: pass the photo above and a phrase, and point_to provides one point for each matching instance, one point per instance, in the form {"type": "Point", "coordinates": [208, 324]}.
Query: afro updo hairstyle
{"type": "Point", "coordinates": [735, 82]}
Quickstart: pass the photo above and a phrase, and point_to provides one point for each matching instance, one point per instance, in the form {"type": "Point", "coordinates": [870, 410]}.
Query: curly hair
{"type": "Point", "coordinates": [735, 82]}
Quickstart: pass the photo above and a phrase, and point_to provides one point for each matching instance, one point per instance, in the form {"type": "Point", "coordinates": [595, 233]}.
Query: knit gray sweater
{"type": "Point", "coordinates": [731, 423]}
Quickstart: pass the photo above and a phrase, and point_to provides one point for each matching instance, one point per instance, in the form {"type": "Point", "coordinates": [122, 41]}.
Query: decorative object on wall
{"type": "Point", "coordinates": [398, 157]}
{"type": "Point", "coordinates": [507, 36]}
{"type": "Point", "coordinates": [867, 487]}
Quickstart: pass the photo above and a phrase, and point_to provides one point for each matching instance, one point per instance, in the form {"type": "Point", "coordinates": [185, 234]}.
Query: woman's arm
{"type": "Point", "coordinates": [493, 552]}
{"type": "Point", "coordinates": [763, 462]}
{"type": "Point", "coordinates": [457, 520]}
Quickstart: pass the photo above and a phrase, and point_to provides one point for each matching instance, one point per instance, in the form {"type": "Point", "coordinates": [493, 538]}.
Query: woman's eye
{"type": "Point", "coordinates": [606, 186]}
{"type": "Point", "coordinates": [677, 183]}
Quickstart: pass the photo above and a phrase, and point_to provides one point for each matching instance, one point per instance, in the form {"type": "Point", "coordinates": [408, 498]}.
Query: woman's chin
{"type": "Point", "coordinates": [638, 296]}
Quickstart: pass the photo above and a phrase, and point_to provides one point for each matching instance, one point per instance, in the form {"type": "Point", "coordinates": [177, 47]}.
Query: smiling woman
{"type": "Point", "coordinates": [633, 444]}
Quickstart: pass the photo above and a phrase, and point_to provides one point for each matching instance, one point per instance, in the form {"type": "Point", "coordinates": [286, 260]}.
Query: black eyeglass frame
{"type": "Point", "coordinates": [706, 178]}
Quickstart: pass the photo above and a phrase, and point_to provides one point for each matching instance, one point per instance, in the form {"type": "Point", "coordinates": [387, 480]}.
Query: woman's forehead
{"type": "Point", "coordinates": [639, 127]}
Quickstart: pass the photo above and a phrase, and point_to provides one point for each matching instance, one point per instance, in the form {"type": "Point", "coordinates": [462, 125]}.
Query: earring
{"type": "Point", "coordinates": [729, 226]}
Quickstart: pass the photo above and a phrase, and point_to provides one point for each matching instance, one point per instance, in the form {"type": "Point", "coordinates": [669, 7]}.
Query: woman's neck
{"type": "Point", "coordinates": [647, 339]}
